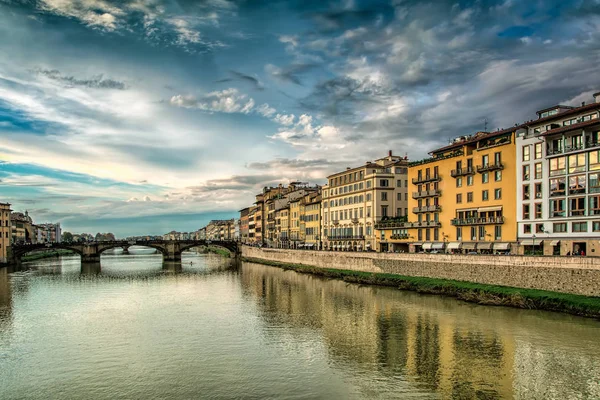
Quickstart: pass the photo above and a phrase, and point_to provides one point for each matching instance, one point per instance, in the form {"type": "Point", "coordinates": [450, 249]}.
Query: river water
{"type": "Point", "coordinates": [134, 328]}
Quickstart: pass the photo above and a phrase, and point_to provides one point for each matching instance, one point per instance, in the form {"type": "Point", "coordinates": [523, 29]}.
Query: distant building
{"type": "Point", "coordinates": [5, 231]}
{"type": "Point", "coordinates": [23, 229]}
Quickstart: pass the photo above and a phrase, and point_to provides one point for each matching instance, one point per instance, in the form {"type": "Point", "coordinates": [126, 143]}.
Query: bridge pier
{"type": "Point", "coordinates": [90, 259]}
{"type": "Point", "coordinates": [90, 268]}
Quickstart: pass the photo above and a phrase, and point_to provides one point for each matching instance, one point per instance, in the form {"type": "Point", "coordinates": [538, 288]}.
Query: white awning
{"type": "Point", "coordinates": [484, 245]}
{"type": "Point", "coordinates": [487, 209]}
{"type": "Point", "coordinates": [454, 245]}
{"type": "Point", "coordinates": [300, 245]}
{"type": "Point", "coordinates": [368, 244]}
{"type": "Point", "coordinates": [527, 242]}
{"type": "Point", "coordinates": [501, 246]}
{"type": "Point", "coordinates": [469, 246]}
{"type": "Point", "coordinates": [554, 242]}
{"type": "Point", "coordinates": [466, 209]}
{"type": "Point", "coordinates": [437, 246]}
{"type": "Point", "coordinates": [427, 246]}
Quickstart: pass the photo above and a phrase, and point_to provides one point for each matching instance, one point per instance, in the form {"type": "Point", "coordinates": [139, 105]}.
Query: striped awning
{"type": "Point", "coordinates": [488, 209]}
{"type": "Point", "coordinates": [437, 246]}
{"type": "Point", "coordinates": [427, 246]}
{"type": "Point", "coordinates": [454, 245]}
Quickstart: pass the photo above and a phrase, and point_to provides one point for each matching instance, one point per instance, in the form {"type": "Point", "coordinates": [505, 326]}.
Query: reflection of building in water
{"type": "Point", "coordinates": [5, 299]}
{"type": "Point", "coordinates": [390, 332]}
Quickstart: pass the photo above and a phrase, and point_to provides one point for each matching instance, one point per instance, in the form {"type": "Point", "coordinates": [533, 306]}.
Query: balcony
{"type": "Point", "coordinates": [389, 223]}
{"type": "Point", "coordinates": [554, 151]}
{"type": "Point", "coordinates": [426, 224]}
{"type": "Point", "coordinates": [346, 237]}
{"type": "Point", "coordinates": [455, 173]}
{"type": "Point", "coordinates": [490, 167]}
{"type": "Point", "coordinates": [355, 221]}
{"type": "Point", "coordinates": [335, 221]}
{"type": "Point", "coordinates": [429, 178]}
{"type": "Point", "coordinates": [477, 221]}
{"type": "Point", "coordinates": [426, 193]}
{"type": "Point", "coordinates": [399, 237]}
{"type": "Point", "coordinates": [417, 210]}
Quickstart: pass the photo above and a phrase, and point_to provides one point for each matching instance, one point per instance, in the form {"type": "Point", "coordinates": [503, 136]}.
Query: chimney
{"type": "Point", "coordinates": [389, 153]}
{"type": "Point", "coordinates": [597, 97]}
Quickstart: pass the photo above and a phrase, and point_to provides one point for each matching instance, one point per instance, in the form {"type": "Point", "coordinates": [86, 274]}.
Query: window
{"type": "Point", "coordinates": [557, 208]}
{"type": "Point", "coordinates": [473, 233]}
{"type": "Point", "coordinates": [459, 198]}
{"type": "Point", "coordinates": [498, 232]}
{"type": "Point", "coordinates": [368, 212]}
{"type": "Point", "coordinates": [470, 197]}
{"type": "Point", "coordinates": [485, 195]}
{"type": "Point", "coordinates": [526, 171]}
{"type": "Point", "coordinates": [526, 193]}
{"type": "Point", "coordinates": [485, 160]}
{"type": "Point", "coordinates": [458, 233]}
{"type": "Point", "coordinates": [470, 180]}
{"type": "Point", "coordinates": [399, 183]}
{"type": "Point", "coordinates": [368, 184]}
{"type": "Point", "coordinates": [579, 227]}
{"type": "Point", "coordinates": [538, 210]}
{"type": "Point", "coordinates": [384, 183]}
{"type": "Point", "coordinates": [526, 211]}
{"type": "Point", "coordinates": [559, 227]}
{"type": "Point", "coordinates": [384, 211]}
{"type": "Point", "coordinates": [557, 186]}
{"type": "Point", "coordinates": [595, 205]}
{"type": "Point", "coordinates": [594, 160]}
{"type": "Point", "coordinates": [539, 228]}
{"type": "Point", "coordinates": [498, 176]}
{"type": "Point", "coordinates": [538, 190]}
{"type": "Point", "coordinates": [577, 184]}
{"type": "Point", "coordinates": [436, 234]}
{"type": "Point", "coordinates": [594, 183]}
{"type": "Point", "coordinates": [595, 226]}
{"type": "Point", "coordinates": [538, 170]}
{"type": "Point", "coordinates": [383, 196]}
{"type": "Point", "coordinates": [576, 206]}
{"type": "Point", "coordinates": [527, 228]}
{"type": "Point", "coordinates": [485, 177]}
{"type": "Point", "coordinates": [557, 166]}
{"type": "Point", "coordinates": [498, 158]}
{"type": "Point", "coordinates": [526, 155]}
{"type": "Point", "coordinates": [497, 194]}
{"type": "Point", "coordinates": [538, 151]}
{"type": "Point", "coordinates": [368, 196]}
{"type": "Point", "coordinates": [577, 163]}
{"type": "Point", "coordinates": [459, 182]}
{"type": "Point", "coordinates": [482, 232]}
{"type": "Point", "coordinates": [427, 234]}
{"type": "Point", "coordinates": [399, 196]}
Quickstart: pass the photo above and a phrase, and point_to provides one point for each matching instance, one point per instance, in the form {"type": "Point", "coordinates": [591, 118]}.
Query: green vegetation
{"type": "Point", "coordinates": [46, 254]}
{"type": "Point", "coordinates": [471, 292]}
{"type": "Point", "coordinates": [217, 250]}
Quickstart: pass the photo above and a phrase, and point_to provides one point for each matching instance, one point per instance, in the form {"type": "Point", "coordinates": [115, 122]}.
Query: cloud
{"type": "Point", "coordinates": [96, 82]}
{"type": "Point", "coordinates": [227, 101]}
{"type": "Point", "coordinates": [265, 110]}
{"type": "Point", "coordinates": [291, 73]}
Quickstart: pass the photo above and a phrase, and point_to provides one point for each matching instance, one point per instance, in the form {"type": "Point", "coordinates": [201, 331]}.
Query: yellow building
{"type": "Point", "coordinates": [463, 198]}
{"type": "Point", "coordinates": [5, 231]}
{"type": "Point", "coordinates": [311, 221]}
{"type": "Point", "coordinates": [295, 237]}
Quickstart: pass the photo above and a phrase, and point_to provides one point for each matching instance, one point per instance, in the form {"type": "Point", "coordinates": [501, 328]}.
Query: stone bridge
{"type": "Point", "coordinates": [90, 251]}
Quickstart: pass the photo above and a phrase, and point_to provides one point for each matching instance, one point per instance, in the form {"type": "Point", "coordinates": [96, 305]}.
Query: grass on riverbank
{"type": "Point", "coordinates": [217, 250]}
{"type": "Point", "coordinates": [46, 254]}
{"type": "Point", "coordinates": [471, 292]}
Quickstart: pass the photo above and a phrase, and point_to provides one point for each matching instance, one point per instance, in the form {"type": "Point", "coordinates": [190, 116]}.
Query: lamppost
{"type": "Point", "coordinates": [534, 250]}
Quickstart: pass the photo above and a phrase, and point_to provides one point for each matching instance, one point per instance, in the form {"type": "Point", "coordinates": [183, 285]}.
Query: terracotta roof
{"type": "Point", "coordinates": [475, 139]}
{"type": "Point", "coordinates": [571, 127]}
{"type": "Point", "coordinates": [554, 107]}
{"type": "Point", "coordinates": [576, 110]}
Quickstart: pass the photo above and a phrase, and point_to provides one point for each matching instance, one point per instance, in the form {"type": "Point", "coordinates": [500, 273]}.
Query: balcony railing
{"type": "Point", "coordinates": [426, 193]}
{"type": "Point", "coordinates": [425, 209]}
{"type": "Point", "coordinates": [335, 221]}
{"type": "Point", "coordinates": [490, 167]}
{"type": "Point", "coordinates": [399, 237]}
{"type": "Point", "coordinates": [398, 222]}
{"type": "Point", "coordinates": [346, 237]}
{"type": "Point", "coordinates": [477, 221]}
{"type": "Point", "coordinates": [590, 144]}
{"type": "Point", "coordinates": [462, 172]}
{"type": "Point", "coordinates": [426, 178]}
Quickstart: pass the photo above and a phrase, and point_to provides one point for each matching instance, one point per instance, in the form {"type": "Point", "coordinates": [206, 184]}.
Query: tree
{"type": "Point", "coordinates": [67, 237]}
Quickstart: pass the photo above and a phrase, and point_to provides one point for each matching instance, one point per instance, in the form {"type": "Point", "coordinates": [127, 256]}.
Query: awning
{"type": "Point", "coordinates": [417, 244]}
{"type": "Point", "coordinates": [469, 246]}
{"type": "Point", "coordinates": [488, 209]}
{"type": "Point", "coordinates": [368, 244]}
{"type": "Point", "coordinates": [466, 209]}
{"type": "Point", "coordinates": [554, 242]}
{"type": "Point", "coordinates": [300, 245]}
{"type": "Point", "coordinates": [530, 242]}
{"type": "Point", "coordinates": [501, 246]}
{"type": "Point", "coordinates": [454, 245]}
{"type": "Point", "coordinates": [484, 245]}
{"type": "Point", "coordinates": [427, 246]}
{"type": "Point", "coordinates": [437, 246]}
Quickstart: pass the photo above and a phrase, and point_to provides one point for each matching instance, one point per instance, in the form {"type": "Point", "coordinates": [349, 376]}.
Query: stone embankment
{"type": "Point", "coordinates": [573, 275]}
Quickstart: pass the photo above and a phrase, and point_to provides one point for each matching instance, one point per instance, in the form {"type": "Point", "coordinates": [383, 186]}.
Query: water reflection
{"type": "Point", "coordinates": [5, 300]}
{"type": "Point", "coordinates": [456, 349]}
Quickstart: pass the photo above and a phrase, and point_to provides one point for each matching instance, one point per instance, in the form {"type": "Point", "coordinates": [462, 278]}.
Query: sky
{"type": "Point", "coordinates": [145, 116]}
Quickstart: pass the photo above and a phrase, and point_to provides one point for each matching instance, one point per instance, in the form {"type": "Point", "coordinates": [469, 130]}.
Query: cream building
{"type": "Point", "coordinates": [356, 199]}
{"type": "Point", "coordinates": [5, 231]}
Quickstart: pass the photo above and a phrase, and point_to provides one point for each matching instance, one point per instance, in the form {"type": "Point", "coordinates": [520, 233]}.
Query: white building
{"type": "Point", "coordinates": [558, 181]}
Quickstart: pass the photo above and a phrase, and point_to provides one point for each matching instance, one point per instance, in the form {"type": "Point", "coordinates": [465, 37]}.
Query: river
{"type": "Point", "coordinates": [134, 328]}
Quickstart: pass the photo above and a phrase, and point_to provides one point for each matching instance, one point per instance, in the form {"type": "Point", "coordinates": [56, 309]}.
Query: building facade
{"type": "Point", "coordinates": [462, 198]}
{"type": "Point", "coordinates": [5, 231]}
{"type": "Point", "coordinates": [355, 200]}
{"type": "Point", "coordinates": [244, 227]}
{"type": "Point", "coordinates": [558, 181]}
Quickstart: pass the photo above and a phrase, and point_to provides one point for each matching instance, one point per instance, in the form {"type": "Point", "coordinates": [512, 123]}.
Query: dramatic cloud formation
{"type": "Point", "coordinates": [159, 114]}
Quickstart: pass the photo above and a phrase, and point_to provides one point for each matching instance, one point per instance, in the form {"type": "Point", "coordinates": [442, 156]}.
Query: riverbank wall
{"type": "Point", "coordinates": [571, 275]}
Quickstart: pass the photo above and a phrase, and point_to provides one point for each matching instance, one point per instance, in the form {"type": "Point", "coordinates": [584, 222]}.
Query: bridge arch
{"type": "Point", "coordinates": [103, 248]}
{"type": "Point", "coordinates": [19, 251]}
{"type": "Point", "coordinates": [227, 245]}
